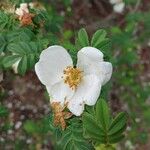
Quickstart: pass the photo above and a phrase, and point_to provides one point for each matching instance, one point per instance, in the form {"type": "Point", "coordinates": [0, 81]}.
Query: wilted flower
{"type": "Point", "coordinates": [27, 19]}
{"type": "Point", "coordinates": [22, 10]}
{"type": "Point", "coordinates": [25, 16]}
{"type": "Point", "coordinates": [118, 5]}
{"type": "Point", "coordinates": [75, 86]}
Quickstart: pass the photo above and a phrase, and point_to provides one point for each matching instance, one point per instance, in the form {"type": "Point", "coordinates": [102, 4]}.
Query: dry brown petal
{"type": "Point", "coordinates": [60, 115]}
{"type": "Point", "coordinates": [26, 19]}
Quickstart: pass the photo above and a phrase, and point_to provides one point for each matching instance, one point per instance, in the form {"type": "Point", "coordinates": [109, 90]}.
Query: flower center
{"type": "Point", "coordinates": [72, 77]}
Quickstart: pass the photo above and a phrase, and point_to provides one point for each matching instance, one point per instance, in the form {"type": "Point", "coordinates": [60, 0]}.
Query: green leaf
{"type": "Point", "coordinates": [16, 48]}
{"type": "Point", "coordinates": [72, 138]}
{"type": "Point", "coordinates": [104, 45]}
{"type": "Point", "coordinates": [28, 53]}
{"type": "Point", "coordinates": [20, 35]}
{"type": "Point", "coordinates": [6, 21]}
{"type": "Point", "coordinates": [119, 132]}
{"type": "Point", "coordinates": [103, 114]}
{"type": "Point", "coordinates": [98, 37]}
{"type": "Point", "coordinates": [31, 61]}
{"type": "Point", "coordinates": [89, 123]}
{"type": "Point", "coordinates": [90, 109]}
{"type": "Point", "coordinates": [105, 147]}
{"type": "Point", "coordinates": [25, 48]}
{"type": "Point", "coordinates": [2, 43]}
{"type": "Point", "coordinates": [118, 123]}
{"type": "Point", "coordinates": [83, 38]}
{"type": "Point", "coordinates": [8, 61]}
{"type": "Point", "coordinates": [116, 139]}
{"type": "Point", "coordinates": [22, 67]}
{"type": "Point", "coordinates": [101, 128]}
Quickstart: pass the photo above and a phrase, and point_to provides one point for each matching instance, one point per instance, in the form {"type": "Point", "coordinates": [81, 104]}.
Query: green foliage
{"type": "Point", "coordinates": [103, 114]}
{"type": "Point", "coordinates": [72, 137]}
{"type": "Point", "coordinates": [2, 43]}
{"type": "Point", "coordinates": [8, 61]}
{"type": "Point", "coordinates": [24, 44]}
{"type": "Point", "coordinates": [21, 34]}
{"type": "Point", "coordinates": [98, 37]}
{"type": "Point", "coordinates": [101, 42]}
{"type": "Point", "coordinates": [26, 53]}
{"type": "Point", "coordinates": [6, 21]}
{"type": "Point", "coordinates": [101, 128]}
{"type": "Point", "coordinates": [98, 40]}
{"type": "Point", "coordinates": [83, 39]}
{"type": "Point", "coordinates": [105, 147]}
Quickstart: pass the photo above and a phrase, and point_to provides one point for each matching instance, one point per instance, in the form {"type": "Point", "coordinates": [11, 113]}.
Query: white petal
{"type": "Point", "coordinates": [26, 10]}
{"type": "Point", "coordinates": [23, 5]}
{"type": "Point", "coordinates": [87, 93]}
{"type": "Point", "coordinates": [89, 65]}
{"type": "Point", "coordinates": [52, 62]}
{"type": "Point", "coordinates": [92, 53]}
{"type": "Point", "coordinates": [19, 12]}
{"type": "Point", "coordinates": [104, 71]}
{"type": "Point", "coordinates": [23, 8]}
{"type": "Point", "coordinates": [119, 7]}
{"type": "Point", "coordinates": [60, 92]}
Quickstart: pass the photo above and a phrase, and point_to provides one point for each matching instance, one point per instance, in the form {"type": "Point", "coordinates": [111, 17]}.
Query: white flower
{"type": "Point", "coordinates": [118, 5]}
{"type": "Point", "coordinates": [77, 86]}
{"type": "Point", "coordinates": [24, 5]}
{"type": "Point", "coordinates": [22, 9]}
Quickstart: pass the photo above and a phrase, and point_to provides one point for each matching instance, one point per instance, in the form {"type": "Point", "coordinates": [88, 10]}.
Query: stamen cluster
{"type": "Point", "coordinates": [72, 77]}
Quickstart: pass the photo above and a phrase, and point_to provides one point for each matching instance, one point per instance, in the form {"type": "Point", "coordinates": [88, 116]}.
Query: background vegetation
{"type": "Point", "coordinates": [24, 104]}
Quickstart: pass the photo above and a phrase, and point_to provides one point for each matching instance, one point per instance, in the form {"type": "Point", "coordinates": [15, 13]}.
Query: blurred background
{"type": "Point", "coordinates": [24, 103]}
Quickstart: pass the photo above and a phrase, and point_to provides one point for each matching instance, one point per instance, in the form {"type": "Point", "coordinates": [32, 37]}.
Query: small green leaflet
{"type": "Point", "coordinates": [26, 53]}
{"type": "Point", "coordinates": [103, 114]}
{"type": "Point", "coordinates": [101, 128]}
{"type": "Point", "coordinates": [72, 138]}
{"type": "Point", "coordinates": [83, 39]}
{"type": "Point", "coordinates": [6, 21]}
{"type": "Point", "coordinates": [8, 61]}
{"type": "Point", "coordinates": [98, 37]}
{"type": "Point", "coordinates": [99, 40]}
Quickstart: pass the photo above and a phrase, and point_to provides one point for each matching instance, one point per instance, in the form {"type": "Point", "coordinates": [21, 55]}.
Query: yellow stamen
{"type": "Point", "coordinates": [72, 77]}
